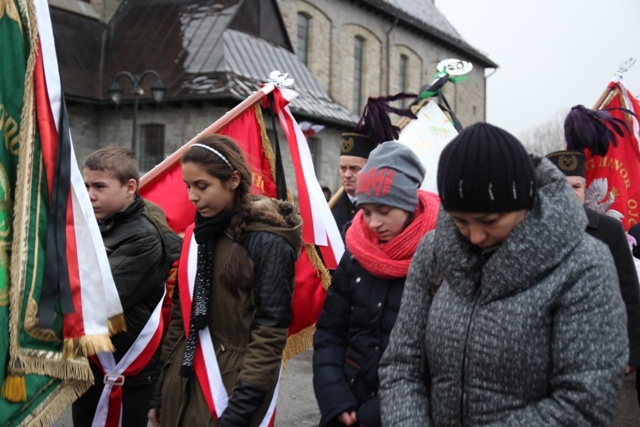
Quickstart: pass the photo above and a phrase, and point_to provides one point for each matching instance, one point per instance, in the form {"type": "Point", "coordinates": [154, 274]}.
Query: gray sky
{"type": "Point", "coordinates": [552, 54]}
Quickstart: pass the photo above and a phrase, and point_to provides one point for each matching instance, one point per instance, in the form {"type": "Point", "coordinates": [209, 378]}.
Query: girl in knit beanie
{"type": "Point", "coordinates": [363, 301]}
{"type": "Point", "coordinates": [511, 314]}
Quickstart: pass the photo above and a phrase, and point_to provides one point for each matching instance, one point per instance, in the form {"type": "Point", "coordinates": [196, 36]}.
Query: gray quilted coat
{"type": "Point", "coordinates": [532, 335]}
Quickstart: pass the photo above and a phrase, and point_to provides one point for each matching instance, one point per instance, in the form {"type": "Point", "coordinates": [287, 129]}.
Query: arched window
{"type": "Point", "coordinates": [403, 75]}
{"type": "Point", "coordinates": [358, 68]}
{"type": "Point", "coordinates": [302, 47]}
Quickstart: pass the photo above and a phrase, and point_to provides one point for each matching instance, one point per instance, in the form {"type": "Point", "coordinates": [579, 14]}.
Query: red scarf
{"type": "Point", "coordinates": [390, 260]}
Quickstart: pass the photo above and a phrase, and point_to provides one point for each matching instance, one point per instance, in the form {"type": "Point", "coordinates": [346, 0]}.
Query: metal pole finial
{"type": "Point", "coordinates": [625, 66]}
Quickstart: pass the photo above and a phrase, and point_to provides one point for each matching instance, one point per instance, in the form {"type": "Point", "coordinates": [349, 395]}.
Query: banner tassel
{"type": "Point", "coordinates": [14, 388]}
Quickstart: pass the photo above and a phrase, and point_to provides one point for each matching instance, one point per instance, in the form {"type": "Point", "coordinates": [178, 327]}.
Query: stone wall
{"type": "Point", "coordinates": [333, 26]}
{"type": "Point", "coordinates": [92, 128]}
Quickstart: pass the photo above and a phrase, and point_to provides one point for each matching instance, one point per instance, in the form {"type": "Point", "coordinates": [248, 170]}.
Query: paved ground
{"type": "Point", "coordinates": [628, 409]}
{"type": "Point", "coordinates": [297, 405]}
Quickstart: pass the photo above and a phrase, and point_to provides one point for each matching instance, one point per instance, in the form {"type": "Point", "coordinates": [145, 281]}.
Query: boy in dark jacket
{"type": "Point", "coordinates": [140, 265]}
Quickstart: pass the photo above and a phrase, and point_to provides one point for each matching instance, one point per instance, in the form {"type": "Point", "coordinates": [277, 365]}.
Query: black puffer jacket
{"type": "Point", "coordinates": [352, 333]}
{"type": "Point", "coordinates": [140, 268]}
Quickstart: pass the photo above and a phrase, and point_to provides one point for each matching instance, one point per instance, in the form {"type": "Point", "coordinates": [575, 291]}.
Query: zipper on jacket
{"type": "Point", "coordinates": [464, 359]}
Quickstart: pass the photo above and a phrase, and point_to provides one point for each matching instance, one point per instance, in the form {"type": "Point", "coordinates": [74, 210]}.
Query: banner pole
{"type": "Point", "coordinates": [228, 117]}
{"type": "Point", "coordinates": [603, 98]}
{"type": "Point", "coordinates": [612, 86]}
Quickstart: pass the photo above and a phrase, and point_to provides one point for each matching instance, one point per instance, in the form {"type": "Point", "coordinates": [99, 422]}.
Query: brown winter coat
{"type": "Point", "coordinates": [247, 349]}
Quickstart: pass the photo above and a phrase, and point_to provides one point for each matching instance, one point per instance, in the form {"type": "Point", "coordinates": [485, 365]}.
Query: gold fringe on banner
{"type": "Point", "coordinates": [317, 263]}
{"type": "Point", "coordinates": [301, 340]}
{"type": "Point", "coordinates": [117, 324]}
{"type": "Point", "coordinates": [266, 144]}
{"type": "Point", "coordinates": [297, 343]}
{"type": "Point", "coordinates": [14, 383]}
{"type": "Point", "coordinates": [54, 405]}
{"type": "Point", "coordinates": [53, 365]}
{"type": "Point", "coordinates": [86, 346]}
{"type": "Point", "coordinates": [24, 361]}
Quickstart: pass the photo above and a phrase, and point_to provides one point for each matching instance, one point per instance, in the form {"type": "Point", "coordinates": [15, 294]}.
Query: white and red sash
{"type": "Point", "coordinates": [205, 364]}
{"type": "Point", "coordinates": [109, 409]}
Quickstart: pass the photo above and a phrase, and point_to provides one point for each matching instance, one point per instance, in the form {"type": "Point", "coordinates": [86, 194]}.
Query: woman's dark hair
{"type": "Point", "coordinates": [215, 165]}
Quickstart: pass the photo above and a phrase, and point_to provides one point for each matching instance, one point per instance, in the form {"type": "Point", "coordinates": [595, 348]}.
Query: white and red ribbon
{"type": "Point", "coordinates": [205, 364]}
{"type": "Point", "coordinates": [109, 409]}
{"type": "Point", "coordinates": [94, 293]}
{"type": "Point", "coordinates": [318, 225]}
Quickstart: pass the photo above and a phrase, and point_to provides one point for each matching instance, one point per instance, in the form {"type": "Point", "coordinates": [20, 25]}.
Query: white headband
{"type": "Point", "coordinates": [214, 151]}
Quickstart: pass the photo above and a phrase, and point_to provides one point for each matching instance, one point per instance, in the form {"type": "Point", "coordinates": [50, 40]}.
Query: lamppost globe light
{"type": "Point", "coordinates": [115, 90]}
{"type": "Point", "coordinates": [158, 89]}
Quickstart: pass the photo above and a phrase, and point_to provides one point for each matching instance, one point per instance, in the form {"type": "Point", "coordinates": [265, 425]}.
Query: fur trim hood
{"type": "Point", "coordinates": [278, 217]}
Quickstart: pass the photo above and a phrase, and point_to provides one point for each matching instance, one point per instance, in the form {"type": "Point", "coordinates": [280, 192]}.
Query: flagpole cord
{"type": "Point", "coordinates": [223, 121]}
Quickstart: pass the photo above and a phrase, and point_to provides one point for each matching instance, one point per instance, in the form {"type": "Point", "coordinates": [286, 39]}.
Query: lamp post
{"type": "Point", "coordinates": [157, 90]}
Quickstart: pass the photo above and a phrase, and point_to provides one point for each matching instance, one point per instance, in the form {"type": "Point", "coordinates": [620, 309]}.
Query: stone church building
{"type": "Point", "coordinates": [211, 55]}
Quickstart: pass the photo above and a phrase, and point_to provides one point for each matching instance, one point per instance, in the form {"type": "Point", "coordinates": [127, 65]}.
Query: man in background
{"type": "Point", "coordinates": [354, 152]}
{"type": "Point", "coordinates": [608, 230]}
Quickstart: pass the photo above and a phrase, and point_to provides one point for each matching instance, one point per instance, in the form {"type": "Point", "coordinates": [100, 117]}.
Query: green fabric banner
{"type": "Point", "coordinates": [27, 352]}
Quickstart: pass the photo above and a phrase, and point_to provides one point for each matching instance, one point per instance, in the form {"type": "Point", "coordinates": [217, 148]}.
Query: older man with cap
{"type": "Point", "coordinates": [373, 128]}
{"type": "Point", "coordinates": [354, 152]}
{"type": "Point", "coordinates": [608, 230]}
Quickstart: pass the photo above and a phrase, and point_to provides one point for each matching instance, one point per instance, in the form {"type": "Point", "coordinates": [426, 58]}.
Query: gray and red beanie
{"type": "Point", "coordinates": [392, 176]}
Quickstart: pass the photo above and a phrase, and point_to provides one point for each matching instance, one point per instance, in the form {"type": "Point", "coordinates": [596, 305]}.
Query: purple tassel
{"type": "Point", "coordinates": [593, 129]}
{"type": "Point", "coordinates": [375, 121]}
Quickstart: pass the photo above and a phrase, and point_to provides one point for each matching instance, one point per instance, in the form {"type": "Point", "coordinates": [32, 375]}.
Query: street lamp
{"type": "Point", "coordinates": [157, 90]}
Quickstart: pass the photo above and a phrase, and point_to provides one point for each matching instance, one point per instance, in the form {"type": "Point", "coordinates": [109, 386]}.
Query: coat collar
{"type": "Point", "coordinates": [592, 217]}
{"type": "Point", "coordinates": [135, 207]}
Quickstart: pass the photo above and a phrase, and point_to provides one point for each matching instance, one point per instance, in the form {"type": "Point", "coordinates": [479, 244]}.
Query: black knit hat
{"type": "Point", "coordinates": [570, 162]}
{"type": "Point", "coordinates": [485, 169]}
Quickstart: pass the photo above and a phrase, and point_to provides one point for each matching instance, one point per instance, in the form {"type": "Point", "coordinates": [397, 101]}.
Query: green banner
{"type": "Point", "coordinates": [28, 354]}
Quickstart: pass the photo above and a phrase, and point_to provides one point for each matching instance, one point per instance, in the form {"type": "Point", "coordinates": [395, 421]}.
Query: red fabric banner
{"type": "Point", "coordinates": [169, 192]}
{"type": "Point", "coordinates": [246, 131]}
{"type": "Point", "coordinates": [621, 165]}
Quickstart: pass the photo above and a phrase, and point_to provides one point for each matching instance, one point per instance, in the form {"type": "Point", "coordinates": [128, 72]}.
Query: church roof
{"type": "Point", "coordinates": [201, 52]}
{"type": "Point", "coordinates": [423, 15]}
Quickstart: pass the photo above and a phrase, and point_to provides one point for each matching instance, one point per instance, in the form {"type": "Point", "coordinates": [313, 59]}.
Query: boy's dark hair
{"type": "Point", "coordinates": [217, 167]}
{"type": "Point", "coordinates": [115, 159]}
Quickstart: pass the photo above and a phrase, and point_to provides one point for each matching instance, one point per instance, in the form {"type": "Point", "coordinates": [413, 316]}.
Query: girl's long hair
{"type": "Point", "coordinates": [215, 166]}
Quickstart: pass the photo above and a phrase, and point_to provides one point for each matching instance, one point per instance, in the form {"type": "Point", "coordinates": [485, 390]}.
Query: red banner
{"type": "Point", "coordinates": [168, 191]}
{"type": "Point", "coordinates": [180, 212]}
{"type": "Point", "coordinates": [621, 165]}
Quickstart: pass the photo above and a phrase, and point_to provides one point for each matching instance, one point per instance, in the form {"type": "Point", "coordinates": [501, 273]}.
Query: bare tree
{"type": "Point", "coordinates": [547, 137]}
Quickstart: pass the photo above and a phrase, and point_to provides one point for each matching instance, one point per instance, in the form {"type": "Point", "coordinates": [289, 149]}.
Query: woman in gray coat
{"type": "Point", "coordinates": [510, 315]}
